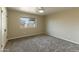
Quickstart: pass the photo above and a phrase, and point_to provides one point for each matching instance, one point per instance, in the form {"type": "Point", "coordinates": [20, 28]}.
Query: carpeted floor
{"type": "Point", "coordinates": [40, 43]}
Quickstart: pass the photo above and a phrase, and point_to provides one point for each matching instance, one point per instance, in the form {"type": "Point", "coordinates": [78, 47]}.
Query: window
{"type": "Point", "coordinates": [27, 22]}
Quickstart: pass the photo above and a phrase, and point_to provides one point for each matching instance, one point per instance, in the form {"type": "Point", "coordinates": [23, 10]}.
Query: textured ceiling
{"type": "Point", "coordinates": [48, 10]}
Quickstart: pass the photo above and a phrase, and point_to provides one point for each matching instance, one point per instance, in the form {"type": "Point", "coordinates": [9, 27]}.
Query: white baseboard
{"type": "Point", "coordinates": [25, 36]}
{"type": "Point", "coordinates": [63, 39]}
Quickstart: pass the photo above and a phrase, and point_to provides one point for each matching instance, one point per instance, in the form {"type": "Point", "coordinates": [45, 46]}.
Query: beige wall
{"type": "Point", "coordinates": [64, 25]}
{"type": "Point", "coordinates": [14, 30]}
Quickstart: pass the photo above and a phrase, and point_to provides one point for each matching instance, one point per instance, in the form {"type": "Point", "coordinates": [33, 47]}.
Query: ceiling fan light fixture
{"type": "Point", "coordinates": [41, 11]}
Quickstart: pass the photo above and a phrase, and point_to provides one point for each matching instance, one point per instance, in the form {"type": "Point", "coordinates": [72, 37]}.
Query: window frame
{"type": "Point", "coordinates": [23, 25]}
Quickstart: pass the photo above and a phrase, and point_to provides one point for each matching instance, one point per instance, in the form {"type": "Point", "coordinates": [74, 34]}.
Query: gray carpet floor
{"type": "Point", "coordinates": [40, 43]}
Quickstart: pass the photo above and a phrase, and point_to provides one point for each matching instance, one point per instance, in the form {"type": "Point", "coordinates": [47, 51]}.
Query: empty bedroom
{"type": "Point", "coordinates": [39, 29]}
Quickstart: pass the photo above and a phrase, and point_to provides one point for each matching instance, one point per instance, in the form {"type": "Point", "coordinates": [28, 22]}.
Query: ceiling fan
{"type": "Point", "coordinates": [40, 9]}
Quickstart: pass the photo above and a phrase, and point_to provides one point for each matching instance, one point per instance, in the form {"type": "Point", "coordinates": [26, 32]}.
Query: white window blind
{"type": "Point", "coordinates": [27, 22]}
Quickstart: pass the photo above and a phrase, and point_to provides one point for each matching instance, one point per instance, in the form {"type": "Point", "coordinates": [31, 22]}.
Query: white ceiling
{"type": "Point", "coordinates": [48, 10]}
